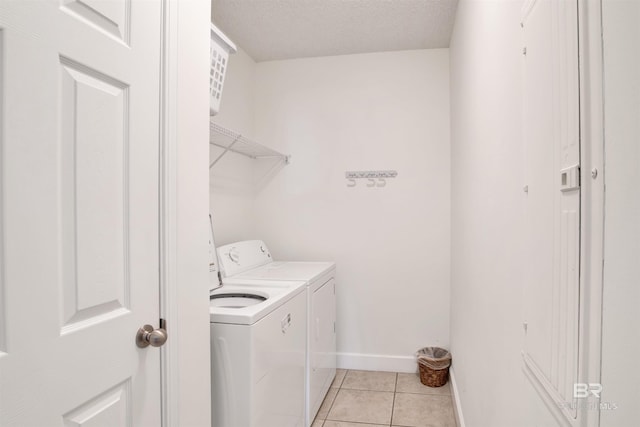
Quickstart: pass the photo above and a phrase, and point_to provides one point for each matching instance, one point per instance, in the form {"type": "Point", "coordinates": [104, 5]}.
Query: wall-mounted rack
{"type": "Point", "coordinates": [372, 176]}
{"type": "Point", "coordinates": [229, 140]}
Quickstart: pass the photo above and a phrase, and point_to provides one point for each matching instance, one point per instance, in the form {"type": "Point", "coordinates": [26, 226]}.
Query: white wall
{"type": "Point", "coordinates": [391, 244]}
{"type": "Point", "coordinates": [231, 183]}
{"type": "Point", "coordinates": [621, 296]}
{"type": "Point", "coordinates": [487, 216]}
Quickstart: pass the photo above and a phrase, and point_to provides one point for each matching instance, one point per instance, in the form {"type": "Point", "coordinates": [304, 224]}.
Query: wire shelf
{"type": "Point", "coordinates": [236, 143]}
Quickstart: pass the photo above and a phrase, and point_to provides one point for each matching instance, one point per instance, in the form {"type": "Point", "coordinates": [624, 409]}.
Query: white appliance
{"type": "Point", "coordinates": [251, 260]}
{"type": "Point", "coordinates": [258, 344]}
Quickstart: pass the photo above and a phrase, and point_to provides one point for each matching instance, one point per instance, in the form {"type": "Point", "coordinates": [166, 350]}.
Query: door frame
{"type": "Point", "coordinates": [184, 201]}
{"type": "Point", "coordinates": [593, 196]}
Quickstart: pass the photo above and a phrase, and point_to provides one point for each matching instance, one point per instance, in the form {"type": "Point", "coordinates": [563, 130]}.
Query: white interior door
{"type": "Point", "coordinates": [79, 206]}
{"type": "Point", "coordinates": [552, 141]}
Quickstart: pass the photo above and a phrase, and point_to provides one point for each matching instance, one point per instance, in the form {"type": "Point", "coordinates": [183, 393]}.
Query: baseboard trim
{"type": "Point", "coordinates": [377, 362]}
{"type": "Point", "coordinates": [457, 407]}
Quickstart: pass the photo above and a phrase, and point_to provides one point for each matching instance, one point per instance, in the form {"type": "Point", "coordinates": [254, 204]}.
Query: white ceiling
{"type": "Point", "coordinates": [285, 29]}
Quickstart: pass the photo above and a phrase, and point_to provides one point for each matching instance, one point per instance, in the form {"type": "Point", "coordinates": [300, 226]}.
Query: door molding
{"type": "Point", "coordinates": [169, 353]}
{"type": "Point", "coordinates": [593, 200]}
{"type": "Point", "coordinates": [185, 362]}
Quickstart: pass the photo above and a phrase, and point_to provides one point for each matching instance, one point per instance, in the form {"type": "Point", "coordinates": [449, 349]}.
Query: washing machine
{"type": "Point", "coordinates": [251, 260]}
{"type": "Point", "coordinates": [258, 352]}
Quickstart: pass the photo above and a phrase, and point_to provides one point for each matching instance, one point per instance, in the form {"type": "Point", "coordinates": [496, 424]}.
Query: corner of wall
{"type": "Point", "coordinates": [231, 191]}
{"type": "Point", "coordinates": [455, 396]}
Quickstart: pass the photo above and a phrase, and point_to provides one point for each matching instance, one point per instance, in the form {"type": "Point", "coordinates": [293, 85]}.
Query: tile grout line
{"type": "Point", "coordinates": [393, 404]}
{"type": "Point", "coordinates": [335, 397]}
{"type": "Point", "coordinates": [424, 394]}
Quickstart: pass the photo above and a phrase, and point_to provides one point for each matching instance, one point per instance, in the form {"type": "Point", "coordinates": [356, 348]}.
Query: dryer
{"type": "Point", "coordinates": [251, 260]}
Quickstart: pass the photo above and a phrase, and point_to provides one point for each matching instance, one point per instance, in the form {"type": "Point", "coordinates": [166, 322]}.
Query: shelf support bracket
{"type": "Point", "coordinates": [225, 151]}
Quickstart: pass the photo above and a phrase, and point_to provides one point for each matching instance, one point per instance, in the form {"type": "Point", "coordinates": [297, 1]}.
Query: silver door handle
{"type": "Point", "coordinates": [148, 336]}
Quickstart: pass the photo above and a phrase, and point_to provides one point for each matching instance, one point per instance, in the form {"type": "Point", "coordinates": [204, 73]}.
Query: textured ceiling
{"type": "Point", "coordinates": [285, 29]}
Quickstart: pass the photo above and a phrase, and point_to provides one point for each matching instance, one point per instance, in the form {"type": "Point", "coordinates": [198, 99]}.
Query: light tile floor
{"type": "Point", "coordinates": [373, 399]}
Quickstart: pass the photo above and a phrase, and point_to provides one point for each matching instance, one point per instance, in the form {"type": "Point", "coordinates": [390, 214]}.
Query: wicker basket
{"type": "Point", "coordinates": [433, 377]}
{"type": "Point", "coordinates": [434, 365]}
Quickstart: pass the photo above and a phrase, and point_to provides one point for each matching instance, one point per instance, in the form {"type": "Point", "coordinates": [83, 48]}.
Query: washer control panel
{"type": "Point", "coordinates": [236, 258]}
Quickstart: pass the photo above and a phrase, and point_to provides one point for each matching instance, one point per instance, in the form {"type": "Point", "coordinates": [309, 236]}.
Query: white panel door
{"type": "Point", "coordinates": [552, 141]}
{"type": "Point", "coordinates": [79, 208]}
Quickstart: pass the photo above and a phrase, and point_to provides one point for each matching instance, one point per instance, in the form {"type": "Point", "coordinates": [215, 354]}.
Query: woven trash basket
{"type": "Point", "coordinates": [434, 363]}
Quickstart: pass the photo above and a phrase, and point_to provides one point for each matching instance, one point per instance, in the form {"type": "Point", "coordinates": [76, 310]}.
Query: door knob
{"type": "Point", "coordinates": [148, 336]}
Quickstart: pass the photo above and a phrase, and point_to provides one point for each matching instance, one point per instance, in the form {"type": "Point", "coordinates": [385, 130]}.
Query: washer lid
{"type": "Point", "coordinates": [276, 295]}
{"type": "Point", "coordinates": [235, 299]}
